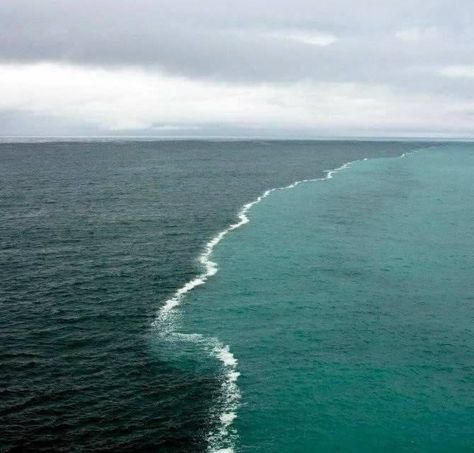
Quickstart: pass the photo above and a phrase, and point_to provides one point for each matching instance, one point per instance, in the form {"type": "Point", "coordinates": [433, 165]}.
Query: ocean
{"type": "Point", "coordinates": [189, 296]}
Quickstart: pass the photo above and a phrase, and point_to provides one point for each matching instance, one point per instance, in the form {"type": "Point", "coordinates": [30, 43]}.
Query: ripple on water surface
{"type": "Point", "coordinates": [348, 304]}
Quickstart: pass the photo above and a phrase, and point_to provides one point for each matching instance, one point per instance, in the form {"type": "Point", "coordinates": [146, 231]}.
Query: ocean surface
{"type": "Point", "coordinates": [161, 296]}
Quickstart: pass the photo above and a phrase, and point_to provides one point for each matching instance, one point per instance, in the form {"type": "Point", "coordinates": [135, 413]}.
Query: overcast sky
{"type": "Point", "coordinates": [299, 68]}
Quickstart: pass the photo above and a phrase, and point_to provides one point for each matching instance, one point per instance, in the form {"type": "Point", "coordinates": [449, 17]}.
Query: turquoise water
{"type": "Point", "coordinates": [95, 236]}
{"type": "Point", "coordinates": [348, 303]}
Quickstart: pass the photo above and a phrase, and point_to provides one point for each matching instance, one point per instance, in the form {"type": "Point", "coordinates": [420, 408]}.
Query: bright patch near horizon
{"type": "Point", "coordinates": [133, 100]}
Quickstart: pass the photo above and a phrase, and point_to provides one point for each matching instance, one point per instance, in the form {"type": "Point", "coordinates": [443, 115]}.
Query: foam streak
{"type": "Point", "coordinates": [222, 439]}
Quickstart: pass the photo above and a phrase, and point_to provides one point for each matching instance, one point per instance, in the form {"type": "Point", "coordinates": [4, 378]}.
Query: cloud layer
{"type": "Point", "coordinates": [340, 67]}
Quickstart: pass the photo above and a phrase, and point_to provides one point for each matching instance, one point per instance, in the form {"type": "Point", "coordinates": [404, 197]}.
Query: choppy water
{"type": "Point", "coordinates": [95, 237]}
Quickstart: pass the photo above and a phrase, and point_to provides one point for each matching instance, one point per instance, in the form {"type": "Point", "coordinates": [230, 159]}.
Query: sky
{"type": "Point", "coordinates": [248, 68]}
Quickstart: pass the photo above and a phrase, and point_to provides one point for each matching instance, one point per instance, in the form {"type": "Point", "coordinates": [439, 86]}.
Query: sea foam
{"type": "Point", "coordinates": [222, 439]}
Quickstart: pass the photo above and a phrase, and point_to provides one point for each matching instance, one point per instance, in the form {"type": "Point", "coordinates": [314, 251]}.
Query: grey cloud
{"type": "Point", "coordinates": [227, 40]}
{"type": "Point", "coordinates": [401, 44]}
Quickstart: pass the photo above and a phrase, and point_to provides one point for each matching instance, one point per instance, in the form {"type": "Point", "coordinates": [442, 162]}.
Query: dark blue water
{"type": "Point", "coordinates": [94, 237]}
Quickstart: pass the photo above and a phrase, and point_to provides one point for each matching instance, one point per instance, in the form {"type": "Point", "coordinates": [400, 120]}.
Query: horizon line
{"type": "Point", "coordinates": [235, 138]}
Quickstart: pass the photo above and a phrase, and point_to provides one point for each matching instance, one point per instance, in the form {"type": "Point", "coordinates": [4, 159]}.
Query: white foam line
{"type": "Point", "coordinates": [221, 440]}
{"type": "Point", "coordinates": [210, 267]}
